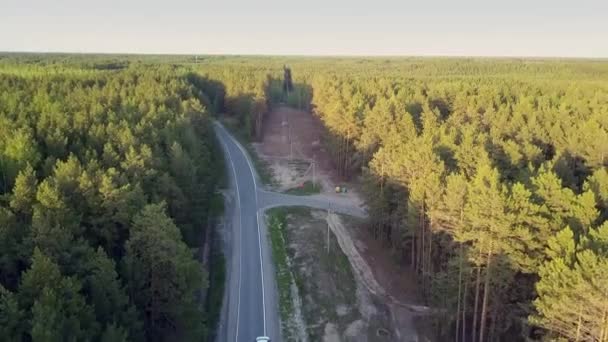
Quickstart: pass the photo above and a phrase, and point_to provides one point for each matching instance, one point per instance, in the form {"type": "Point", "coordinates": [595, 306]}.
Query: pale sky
{"type": "Point", "coordinates": [573, 28]}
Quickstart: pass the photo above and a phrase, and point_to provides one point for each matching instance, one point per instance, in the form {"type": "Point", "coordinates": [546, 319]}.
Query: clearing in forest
{"type": "Point", "coordinates": [292, 141]}
{"type": "Point", "coordinates": [289, 153]}
{"type": "Point", "coordinates": [336, 305]}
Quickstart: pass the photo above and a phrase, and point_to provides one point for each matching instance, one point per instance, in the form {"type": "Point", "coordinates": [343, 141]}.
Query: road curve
{"type": "Point", "coordinates": [250, 306]}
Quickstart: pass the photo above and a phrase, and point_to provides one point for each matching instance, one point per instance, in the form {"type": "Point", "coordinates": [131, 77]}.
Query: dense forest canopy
{"type": "Point", "coordinates": [106, 180]}
{"type": "Point", "coordinates": [488, 177]}
{"type": "Point", "coordinates": [493, 188]}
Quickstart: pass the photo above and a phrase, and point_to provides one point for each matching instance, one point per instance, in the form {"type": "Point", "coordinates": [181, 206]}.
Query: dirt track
{"type": "Point", "coordinates": [402, 313]}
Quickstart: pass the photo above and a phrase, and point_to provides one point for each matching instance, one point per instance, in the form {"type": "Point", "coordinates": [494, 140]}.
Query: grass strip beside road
{"type": "Point", "coordinates": [217, 261]}
{"type": "Point", "coordinates": [217, 269]}
{"type": "Point", "coordinates": [276, 227]}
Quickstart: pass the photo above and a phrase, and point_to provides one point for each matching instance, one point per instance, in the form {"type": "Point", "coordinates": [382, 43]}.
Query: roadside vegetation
{"type": "Point", "coordinates": [307, 188]}
{"type": "Point", "coordinates": [215, 295]}
{"type": "Point", "coordinates": [217, 266]}
{"type": "Point", "coordinates": [276, 228]}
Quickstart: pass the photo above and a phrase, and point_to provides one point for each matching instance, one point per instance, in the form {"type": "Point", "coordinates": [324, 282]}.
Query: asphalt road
{"type": "Point", "coordinates": [250, 305]}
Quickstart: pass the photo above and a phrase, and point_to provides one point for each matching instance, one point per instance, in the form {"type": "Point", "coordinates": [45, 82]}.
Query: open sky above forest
{"type": "Point", "coordinates": [337, 27]}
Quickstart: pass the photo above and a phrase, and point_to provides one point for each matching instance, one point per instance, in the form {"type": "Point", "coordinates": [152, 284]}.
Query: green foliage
{"type": "Point", "coordinates": [58, 309]}
{"type": "Point", "coordinates": [276, 225]}
{"type": "Point", "coordinates": [14, 249]}
{"type": "Point", "coordinates": [162, 276]}
{"type": "Point", "coordinates": [85, 146]}
{"type": "Point", "coordinates": [61, 314]}
{"type": "Point", "coordinates": [572, 292]}
{"type": "Point", "coordinates": [24, 192]}
{"type": "Point", "coordinates": [19, 151]}
{"type": "Point", "coordinates": [217, 284]}
{"type": "Point", "coordinates": [109, 299]}
{"type": "Point", "coordinates": [114, 334]}
{"type": "Point", "coordinates": [12, 326]}
{"type": "Point", "coordinates": [598, 183]}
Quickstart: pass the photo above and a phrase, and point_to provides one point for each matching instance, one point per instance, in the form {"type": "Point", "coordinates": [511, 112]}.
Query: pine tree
{"type": "Point", "coordinates": [598, 183]}
{"type": "Point", "coordinates": [24, 192]}
{"type": "Point", "coordinates": [163, 277]}
{"type": "Point", "coordinates": [14, 248]}
{"type": "Point", "coordinates": [19, 152]}
{"type": "Point", "coordinates": [58, 310]}
{"type": "Point", "coordinates": [450, 217]}
{"type": "Point", "coordinates": [573, 288]}
{"type": "Point", "coordinates": [109, 299]}
{"type": "Point", "coordinates": [11, 317]}
{"type": "Point", "coordinates": [485, 215]}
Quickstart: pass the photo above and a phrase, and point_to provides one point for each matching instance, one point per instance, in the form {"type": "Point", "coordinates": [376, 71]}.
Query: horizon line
{"type": "Point", "coordinates": [212, 54]}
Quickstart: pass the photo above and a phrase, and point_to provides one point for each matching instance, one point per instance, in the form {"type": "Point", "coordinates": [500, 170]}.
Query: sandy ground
{"type": "Point", "coordinates": [291, 144]}
{"type": "Point", "coordinates": [381, 276]}
{"type": "Point", "coordinates": [291, 152]}
{"type": "Point", "coordinates": [335, 304]}
{"type": "Point", "coordinates": [291, 141]}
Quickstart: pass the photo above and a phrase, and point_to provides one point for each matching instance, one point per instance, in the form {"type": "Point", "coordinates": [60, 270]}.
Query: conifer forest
{"type": "Point", "coordinates": [487, 178]}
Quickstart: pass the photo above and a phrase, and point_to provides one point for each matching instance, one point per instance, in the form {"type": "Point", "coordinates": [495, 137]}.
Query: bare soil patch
{"type": "Point", "coordinates": [291, 142]}
{"type": "Point", "coordinates": [399, 289]}
{"type": "Point", "coordinates": [336, 305]}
